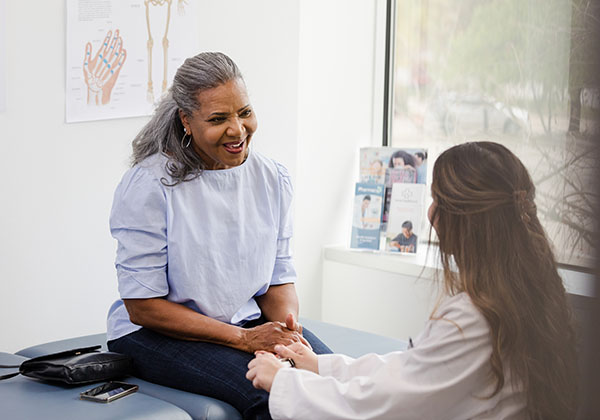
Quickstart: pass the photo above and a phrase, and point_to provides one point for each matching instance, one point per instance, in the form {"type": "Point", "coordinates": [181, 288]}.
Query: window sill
{"type": "Point", "coordinates": [424, 264]}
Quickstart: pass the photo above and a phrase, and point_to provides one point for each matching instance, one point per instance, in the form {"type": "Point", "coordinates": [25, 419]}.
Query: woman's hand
{"type": "Point", "coordinates": [303, 357]}
{"type": "Point", "coordinates": [292, 324]}
{"type": "Point", "coordinates": [268, 335]}
{"type": "Point", "coordinates": [262, 370]}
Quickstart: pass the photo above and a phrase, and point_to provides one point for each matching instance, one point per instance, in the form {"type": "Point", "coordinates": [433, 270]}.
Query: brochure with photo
{"type": "Point", "coordinates": [366, 222]}
{"type": "Point", "coordinates": [406, 214]}
{"type": "Point", "coordinates": [406, 175]}
{"type": "Point", "coordinates": [390, 165]}
{"type": "Point", "coordinates": [375, 161]}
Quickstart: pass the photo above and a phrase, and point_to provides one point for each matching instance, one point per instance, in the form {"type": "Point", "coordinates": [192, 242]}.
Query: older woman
{"type": "Point", "coordinates": [203, 226]}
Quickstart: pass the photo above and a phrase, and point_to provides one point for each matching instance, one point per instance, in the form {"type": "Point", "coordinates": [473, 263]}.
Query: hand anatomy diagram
{"type": "Point", "coordinates": [101, 72]}
{"type": "Point", "coordinates": [165, 42]}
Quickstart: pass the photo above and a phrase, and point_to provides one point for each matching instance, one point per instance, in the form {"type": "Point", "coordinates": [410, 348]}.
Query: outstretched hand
{"type": "Point", "coordinates": [303, 357]}
{"type": "Point", "coordinates": [262, 370]}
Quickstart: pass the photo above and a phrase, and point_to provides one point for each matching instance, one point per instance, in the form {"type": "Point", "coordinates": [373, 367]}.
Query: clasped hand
{"type": "Point", "coordinates": [286, 341]}
{"type": "Point", "coordinates": [266, 336]}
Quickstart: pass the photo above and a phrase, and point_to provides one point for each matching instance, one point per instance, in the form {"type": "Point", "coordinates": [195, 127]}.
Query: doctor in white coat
{"type": "Point", "coordinates": [499, 345]}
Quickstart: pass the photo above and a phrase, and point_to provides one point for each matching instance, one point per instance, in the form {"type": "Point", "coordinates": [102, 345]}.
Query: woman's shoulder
{"type": "Point", "coordinates": [157, 166]}
{"type": "Point", "coordinates": [270, 165]}
{"type": "Point", "coordinates": [458, 300]}
{"type": "Point", "coordinates": [460, 310]}
{"type": "Point", "coordinates": [149, 171]}
{"type": "Point", "coordinates": [154, 164]}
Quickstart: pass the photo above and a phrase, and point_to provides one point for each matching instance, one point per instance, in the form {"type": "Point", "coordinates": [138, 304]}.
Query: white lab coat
{"type": "Point", "coordinates": [447, 375]}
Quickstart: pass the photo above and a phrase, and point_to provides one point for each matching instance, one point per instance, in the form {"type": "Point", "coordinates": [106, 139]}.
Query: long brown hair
{"type": "Point", "coordinates": [486, 221]}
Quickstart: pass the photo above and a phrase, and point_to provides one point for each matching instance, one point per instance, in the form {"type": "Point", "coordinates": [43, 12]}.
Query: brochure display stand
{"type": "Point", "coordinates": [389, 198]}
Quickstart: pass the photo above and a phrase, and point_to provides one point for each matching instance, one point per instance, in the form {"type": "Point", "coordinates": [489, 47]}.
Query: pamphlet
{"type": "Point", "coordinates": [366, 223]}
{"type": "Point", "coordinates": [375, 161]}
{"type": "Point", "coordinates": [406, 211]}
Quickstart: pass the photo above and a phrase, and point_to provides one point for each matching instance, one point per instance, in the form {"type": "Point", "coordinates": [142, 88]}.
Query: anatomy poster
{"type": "Point", "coordinates": [122, 54]}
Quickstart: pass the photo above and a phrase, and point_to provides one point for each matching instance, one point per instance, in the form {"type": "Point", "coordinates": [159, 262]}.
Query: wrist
{"type": "Point", "coordinates": [239, 339]}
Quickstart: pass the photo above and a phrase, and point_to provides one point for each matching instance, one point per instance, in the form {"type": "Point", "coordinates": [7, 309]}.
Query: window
{"type": "Point", "coordinates": [513, 72]}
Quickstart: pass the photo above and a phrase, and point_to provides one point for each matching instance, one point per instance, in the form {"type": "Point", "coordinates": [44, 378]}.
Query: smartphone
{"type": "Point", "coordinates": [108, 392]}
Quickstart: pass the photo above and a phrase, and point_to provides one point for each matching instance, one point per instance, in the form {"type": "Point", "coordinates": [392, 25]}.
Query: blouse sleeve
{"type": "Point", "coordinates": [138, 223]}
{"type": "Point", "coordinates": [435, 379]}
{"type": "Point", "coordinates": [284, 271]}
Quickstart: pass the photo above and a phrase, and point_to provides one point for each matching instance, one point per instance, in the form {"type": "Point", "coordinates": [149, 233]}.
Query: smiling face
{"type": "Point", "coordinates": [223, 126]}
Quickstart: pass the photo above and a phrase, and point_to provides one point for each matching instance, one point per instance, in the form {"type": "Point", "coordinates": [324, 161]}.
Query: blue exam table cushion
{"type": "Point", "coordinates": [344, 340]}
{"type": "Point", "coordinates": [29, 399]}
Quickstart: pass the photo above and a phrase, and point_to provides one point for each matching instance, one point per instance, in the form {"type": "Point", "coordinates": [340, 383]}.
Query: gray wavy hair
{"type": "Point", "coordinates": [164, 131]}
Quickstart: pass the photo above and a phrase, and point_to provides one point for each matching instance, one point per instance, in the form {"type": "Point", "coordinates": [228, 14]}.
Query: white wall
{"type": "Point", "coordinates": [337, 47]}
{"type": "Point", "coordinates": [377, 301]}
{"type": "Point", "coordinates": [56, 257]}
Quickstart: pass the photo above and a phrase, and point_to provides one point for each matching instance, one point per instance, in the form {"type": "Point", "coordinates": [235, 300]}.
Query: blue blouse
{"type": "Point", "coordinates": [212, 244]}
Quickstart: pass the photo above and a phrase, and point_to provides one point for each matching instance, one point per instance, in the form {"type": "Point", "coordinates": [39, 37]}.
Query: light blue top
{"type": "Point", "coordinates": [212, 243]}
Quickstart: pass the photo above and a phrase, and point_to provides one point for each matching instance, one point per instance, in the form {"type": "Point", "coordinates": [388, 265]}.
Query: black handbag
{"type": "Point", "coordinates": [75, 367]}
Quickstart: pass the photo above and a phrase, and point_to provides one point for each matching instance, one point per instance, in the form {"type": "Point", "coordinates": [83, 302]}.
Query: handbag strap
{"type": "Point", "coordinates": [9, 375]}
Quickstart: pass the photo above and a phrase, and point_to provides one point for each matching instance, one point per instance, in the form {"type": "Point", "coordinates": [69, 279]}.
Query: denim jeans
{"type": "Point", "coordinates": [203, 368]}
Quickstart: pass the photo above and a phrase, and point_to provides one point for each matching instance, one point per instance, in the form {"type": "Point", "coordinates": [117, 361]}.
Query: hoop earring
{"type": "Point", "coordinates": [188, 142]}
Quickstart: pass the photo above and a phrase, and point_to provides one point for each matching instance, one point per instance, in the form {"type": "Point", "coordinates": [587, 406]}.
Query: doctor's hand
{"type": "Point", "coordinates": [262, 370]}
{"type": "Point", "coordinates": [303, 357]}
